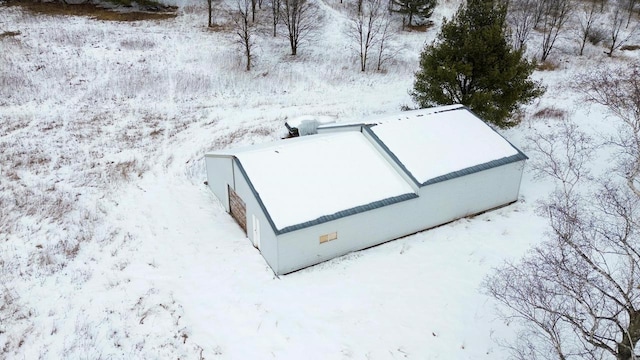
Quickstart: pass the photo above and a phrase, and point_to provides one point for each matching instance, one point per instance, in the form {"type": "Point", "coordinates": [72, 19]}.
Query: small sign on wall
{"type": "Point", "coordinates": [328, 237]}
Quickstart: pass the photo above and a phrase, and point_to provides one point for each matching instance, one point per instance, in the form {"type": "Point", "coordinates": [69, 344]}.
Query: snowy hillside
{"type": "Point", "coordinates": [111, 247]}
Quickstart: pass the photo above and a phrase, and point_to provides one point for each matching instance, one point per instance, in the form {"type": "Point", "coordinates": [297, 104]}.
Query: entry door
{"type": "Point", "coordinates": [256, 231]}
{"type": "Point", "coordinates": [238, 209]}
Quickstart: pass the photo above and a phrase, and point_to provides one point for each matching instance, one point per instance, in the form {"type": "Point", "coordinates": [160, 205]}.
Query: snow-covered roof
{"type": "Point", "coordinates": [381, 119]}
{"type": "Point", "coordinates": [313, 179]}
{"type": "Point", "coordinates": [301, 180]}
{"type": "Point", "coordinates": [412, 114]}
{"type": "Point", "coordinates": [433, 144]}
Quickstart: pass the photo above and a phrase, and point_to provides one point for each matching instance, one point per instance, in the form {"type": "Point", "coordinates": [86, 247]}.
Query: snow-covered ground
{"type": "Point", "coordinates": [112, 247]}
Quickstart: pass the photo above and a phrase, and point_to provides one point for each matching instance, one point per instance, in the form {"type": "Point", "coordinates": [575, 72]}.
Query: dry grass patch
{"type": "Point", "coordinates": [93, 11]}
{"type": "Point", "coordinates": [9, 34]}
{"type": "Point", "coordinates": [550, 112]}
{"type": "Point", "coordinates": [238, 136]}
{"type": "Point", "coordinates": [137, 44]}
{"type": "Point", "coordinates": [547, 66]}
{"type": "Point", "coordinates": [420, 28]}
{"type": "Point", "coordinates": [223, 27]}
{"type": "Point", "coordinates": [630, 47]}
{"type": "Point", "coordinates": [126, 170]}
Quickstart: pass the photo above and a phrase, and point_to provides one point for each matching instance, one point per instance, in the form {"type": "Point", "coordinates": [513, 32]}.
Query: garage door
{"type": "Point", "coordinates": [238, 209]}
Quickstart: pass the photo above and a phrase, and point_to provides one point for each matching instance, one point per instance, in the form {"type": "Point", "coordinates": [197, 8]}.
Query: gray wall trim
{"type": "Point", "coordinates": [212, 155]}
{"type": "Point", "coordinates": [477, 168]}
{"type": "Point", "coordinates": [348, 212]}
{"type": "Point", "coordinates": [329, 126]}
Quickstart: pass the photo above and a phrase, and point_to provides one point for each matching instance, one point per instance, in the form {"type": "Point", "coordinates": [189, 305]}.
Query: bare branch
{"type": "Point", "coordinates": [300, 18]}
{"type": "Point", "coordinates": [580, 288]}
{"type": "Point", "coordinates": [562, 153]}
{"type": "Point", "coordinates": [244, 29]}
{"type": "Point", "coordinates": [369, 28]}
{"type": "Point", "coordinates": [618, 90]}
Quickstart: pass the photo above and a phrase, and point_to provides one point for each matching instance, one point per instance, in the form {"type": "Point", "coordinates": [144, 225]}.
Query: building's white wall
{"type": "Point", "coordinates": [222, 172]}
{"type": "Point", "coordinates": [299, 249]}
{"type": "Point", "coordinates": [471, 194]}
{"type": "Point", "coordinates": [219, 174]}
{"type": "Point", "coordinates": [268, 243]}
{"type": "Point", "coordinates": [437, 204]}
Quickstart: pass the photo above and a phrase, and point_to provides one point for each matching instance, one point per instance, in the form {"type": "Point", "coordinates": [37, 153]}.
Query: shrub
{"type": "Point", "coordinates": [596, 36]}
{"type": "Point", "coordinates": [472, 63]}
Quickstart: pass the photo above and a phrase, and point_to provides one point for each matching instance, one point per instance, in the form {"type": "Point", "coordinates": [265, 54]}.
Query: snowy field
{"type": "Point", "coordinates": [111, 247]}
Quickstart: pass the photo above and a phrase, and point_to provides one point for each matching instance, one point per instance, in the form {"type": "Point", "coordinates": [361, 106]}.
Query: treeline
{"type": "Point", "coordinates": [370, 23]}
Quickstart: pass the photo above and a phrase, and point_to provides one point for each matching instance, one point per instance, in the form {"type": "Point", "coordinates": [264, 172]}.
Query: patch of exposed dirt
{"type": "Point", "coordinates": [99, 11]}
{"type": "Point", "coordinates": [9, 34]}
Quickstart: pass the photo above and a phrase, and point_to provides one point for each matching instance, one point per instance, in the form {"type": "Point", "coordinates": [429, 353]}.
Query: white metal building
{"type": "Point", "coordinates": [305, 200]}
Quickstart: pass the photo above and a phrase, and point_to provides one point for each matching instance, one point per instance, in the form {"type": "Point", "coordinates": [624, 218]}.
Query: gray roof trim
{"type": "Point", "coordinates": [322, 219]}
{"type": "Point", "coordinates": [341, 126]}
{"type": "Point", "coordinates": [348, 212]}
{"type": "Point", "coordinates": [386, 117]}
{"type": "Point", "coordinates": [213, 155]}
{"type": "Point", "coordinates": [477, 168]}
{"type": "Point", "coordinates": [393, 156]}
{"type": "Point", "coordinates": [454, 109]}
{"type": "Point", "coordinates": [520, 156]}
{"type": "Point", "coordinates": [255, 194]}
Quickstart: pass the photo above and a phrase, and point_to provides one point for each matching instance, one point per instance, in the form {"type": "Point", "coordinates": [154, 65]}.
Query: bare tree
{"type": "Point", "coordinates": [521, 17]}
{"type": "Point", "coordinates": [253, 10]}
{"type": "Point", "coordinates": [579, 291]}
{"type": "Point", "coordinates": [618, 33]}
{"type": "Point", "coordinates": [530, 302]}
{"type": "Point", "coordinates": [618, 89]}
{"type": "Point", "coordinates": [275, 15]}
{"type": "Point", "coordinates": [603, 4]}
{"type": "Point", "coordinates": [587, 16]}
{"type": "Point", "coordinates": [555, 14]}
{"type": "Point", "coordinates": [539, 12]}
{"type": "Point", "coordinates": [384, 50]}
{"type": "Point", "coordinates": [528, 289]}
{"type": "Point", "coordinates": [299, 16]}
{"type": "Point", "coordinates": [370, 28]}
{"type": "Point", "coordinates": [631, 5]}
{"type": "Point", "coordinates": [563, 155]}
{"type": "Point", "coordinates": [366, 28]}
{"type": "Point", "coordinates": [244, 29]}
{"type": "Point", "coordinates": [210, 12]}
{"type": "Point", "coordinates": [580, 286]}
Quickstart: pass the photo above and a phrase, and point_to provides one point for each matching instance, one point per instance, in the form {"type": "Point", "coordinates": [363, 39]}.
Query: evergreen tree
{"type": "Point", "coordinates": [411, 8]}
{"type": "Point", "coordinates": [472, 63]}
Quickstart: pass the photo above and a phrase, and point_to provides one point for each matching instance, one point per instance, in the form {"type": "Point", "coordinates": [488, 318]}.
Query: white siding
{"type": "Point", "coordinates": [471, 194]}
{"type": "Point", "coordinates": [268, 242]}
{"type": "Point", "coordinates": [302, 248]}
{"type": "Point", "coordinates": [221, 171]}
{"type": "Point", "coordinates": [219, 175]}
{"type": "Point", "coordinates": [438, 204]}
